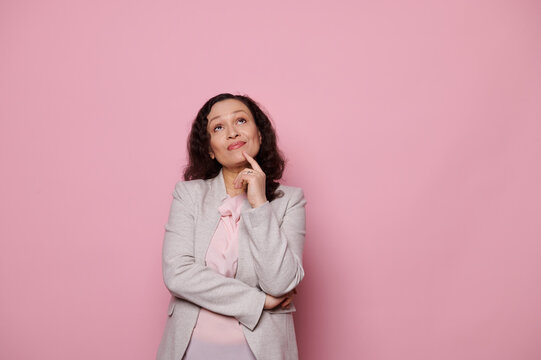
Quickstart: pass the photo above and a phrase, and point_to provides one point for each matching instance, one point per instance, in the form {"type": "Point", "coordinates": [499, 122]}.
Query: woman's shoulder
{"type": "Point", "coordinates": [192, 183]}
{"type": "Point", "coordinates": [191, 186]}
{"type": "Point", "coordinates": [289, 188]}
{"type": "Point", "coordinates": [289, 192]}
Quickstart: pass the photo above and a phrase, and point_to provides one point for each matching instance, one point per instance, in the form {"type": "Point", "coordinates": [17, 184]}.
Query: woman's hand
{"type": "Point", "coordinates": [255, 179]}
{"type": "Point", "coordinates": [289, 298]}
{"type": "Point", "coordinates": [271, 302]}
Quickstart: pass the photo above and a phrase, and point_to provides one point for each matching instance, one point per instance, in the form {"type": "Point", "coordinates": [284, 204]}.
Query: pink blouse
{"type": "Point", "coordinates": [222, 256]}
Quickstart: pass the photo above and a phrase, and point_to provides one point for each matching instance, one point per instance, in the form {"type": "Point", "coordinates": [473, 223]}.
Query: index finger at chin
{"type": "Point", "coordinates": [252, 161]}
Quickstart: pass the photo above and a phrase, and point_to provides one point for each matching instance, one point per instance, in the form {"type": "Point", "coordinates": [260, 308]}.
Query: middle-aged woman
{"type": "Point", "coordinates": [232, 250]}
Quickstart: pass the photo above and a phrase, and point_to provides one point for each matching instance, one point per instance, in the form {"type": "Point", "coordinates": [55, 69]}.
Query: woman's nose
{"type": "Point", "coordinates": [232, 133]}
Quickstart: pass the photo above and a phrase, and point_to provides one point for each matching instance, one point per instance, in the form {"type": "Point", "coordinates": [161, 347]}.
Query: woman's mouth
{"type": "Point", "coordinates": [236, 145]}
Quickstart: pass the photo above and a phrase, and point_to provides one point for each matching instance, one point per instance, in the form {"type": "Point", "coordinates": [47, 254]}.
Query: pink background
{"type": "Point", "coordinates": [414, 128]}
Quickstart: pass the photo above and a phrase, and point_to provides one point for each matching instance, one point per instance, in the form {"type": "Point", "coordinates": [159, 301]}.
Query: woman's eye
{"type": "Point", "coordinates": [240, 119]}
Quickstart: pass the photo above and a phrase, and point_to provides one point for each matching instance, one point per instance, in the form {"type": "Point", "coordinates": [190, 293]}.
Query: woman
{"type": "Point", "coordinates": [232, 251]}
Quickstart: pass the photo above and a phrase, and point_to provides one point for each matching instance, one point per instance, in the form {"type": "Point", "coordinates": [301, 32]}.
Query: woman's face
{"type": "Point", "coordinates": [232, 130]}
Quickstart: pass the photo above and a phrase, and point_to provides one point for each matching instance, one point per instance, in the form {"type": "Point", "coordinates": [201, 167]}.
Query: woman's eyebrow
{"type": "Point", "coordinates": [236, 111]}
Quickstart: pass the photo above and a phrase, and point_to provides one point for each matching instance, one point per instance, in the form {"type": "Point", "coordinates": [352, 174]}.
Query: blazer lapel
{"type": "Point", "coordinates": [210, 216]}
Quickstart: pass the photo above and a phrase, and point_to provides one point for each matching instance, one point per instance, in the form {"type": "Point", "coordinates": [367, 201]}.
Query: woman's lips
{"type": "Point", "coordinates": [236, 145]}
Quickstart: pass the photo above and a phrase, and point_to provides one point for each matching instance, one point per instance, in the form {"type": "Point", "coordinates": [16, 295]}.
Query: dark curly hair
{"type": "Point", "coordinates": [269, 157]}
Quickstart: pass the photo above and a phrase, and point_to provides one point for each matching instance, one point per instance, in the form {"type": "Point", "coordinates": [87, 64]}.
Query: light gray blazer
{"type": "Point", "coordinates": [271, 240]}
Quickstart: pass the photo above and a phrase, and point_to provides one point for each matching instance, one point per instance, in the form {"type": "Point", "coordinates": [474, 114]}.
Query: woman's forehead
{"type": "Point", "coordinates": [227, 108]}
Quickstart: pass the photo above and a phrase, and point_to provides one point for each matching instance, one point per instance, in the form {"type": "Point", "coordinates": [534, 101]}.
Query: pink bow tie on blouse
{"type": "Point", "coordinates": [231, 206]}
{"type": "Point", "coordinates": [224, 255]}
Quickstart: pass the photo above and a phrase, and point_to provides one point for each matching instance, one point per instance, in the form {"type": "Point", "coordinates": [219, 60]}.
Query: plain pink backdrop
{"type": "Point", "coordinates": [414, 128]}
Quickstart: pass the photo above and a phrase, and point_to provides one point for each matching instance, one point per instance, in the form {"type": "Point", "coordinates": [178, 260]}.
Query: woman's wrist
{"type": "Point", "coordinates": [259, 203]}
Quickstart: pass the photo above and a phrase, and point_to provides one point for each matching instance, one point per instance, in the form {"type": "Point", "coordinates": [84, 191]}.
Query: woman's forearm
{"type": "Point", "coordinates": [277, 248]}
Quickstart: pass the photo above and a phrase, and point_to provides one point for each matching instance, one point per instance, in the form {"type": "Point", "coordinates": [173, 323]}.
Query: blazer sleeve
{"type": "Point", "coordinates": [277, 247]}
{"type": "Point", "coordinates": [199, 284]}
